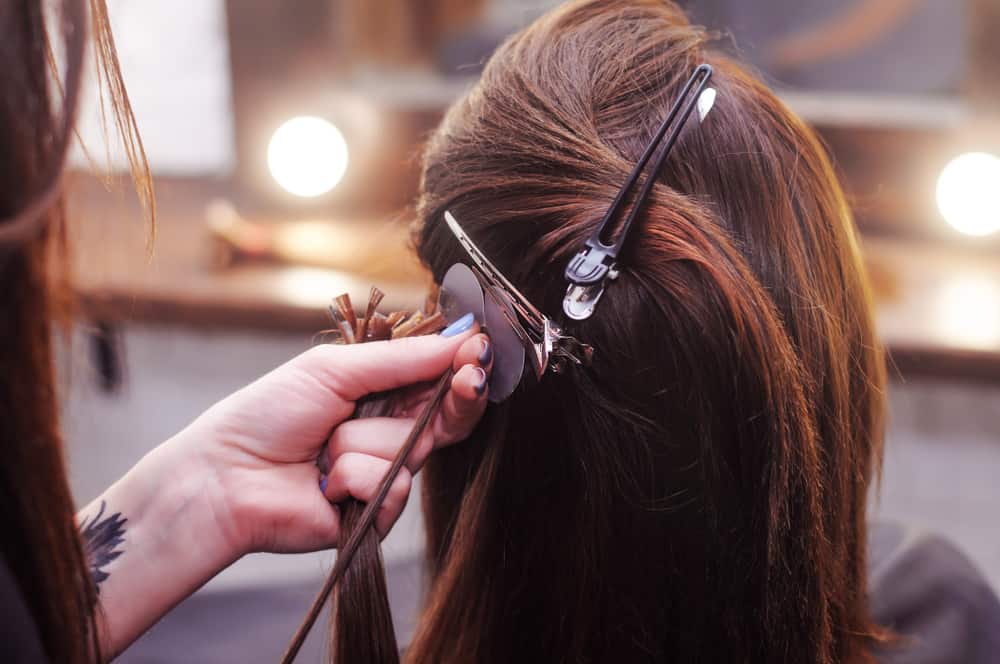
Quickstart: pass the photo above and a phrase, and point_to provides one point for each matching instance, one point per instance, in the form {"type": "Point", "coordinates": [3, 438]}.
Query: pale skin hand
{"type": "Point", "coordinates": [243, 476]}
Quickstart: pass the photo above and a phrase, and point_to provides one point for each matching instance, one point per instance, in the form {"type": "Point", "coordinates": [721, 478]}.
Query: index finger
{"type": "Point", "coordinates": [352, 371]}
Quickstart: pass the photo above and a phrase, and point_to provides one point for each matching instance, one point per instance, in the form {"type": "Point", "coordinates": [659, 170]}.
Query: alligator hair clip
{"type": "Point", "coordinates": [590, 270]}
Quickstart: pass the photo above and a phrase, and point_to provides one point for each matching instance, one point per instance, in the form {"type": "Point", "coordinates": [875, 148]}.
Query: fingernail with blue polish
{"type": "Point", "coordinates": [486, 356]}
{"type": "Point", "coordinates": [459, 326]}
{"type": "Point", "coordinates": [323, 479]}
{"type": "Point", "coordinates": [481, 385]}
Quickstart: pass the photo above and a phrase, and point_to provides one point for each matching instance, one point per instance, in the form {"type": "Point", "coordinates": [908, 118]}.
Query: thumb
{"type": "Point", "coordinates": [354, 370]}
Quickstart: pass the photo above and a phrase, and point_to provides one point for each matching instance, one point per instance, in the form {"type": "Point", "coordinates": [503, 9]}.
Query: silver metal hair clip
{"type": "Point", "coordinates": [515, 325]}
{"type": "Point", "coordinates": [589, 272]}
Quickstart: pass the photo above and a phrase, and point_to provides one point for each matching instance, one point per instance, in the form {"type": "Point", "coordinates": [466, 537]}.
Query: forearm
{"type": "Point", "coordinates": [243, 477]}
{"type": "Point", "coordinates": [160, 521]}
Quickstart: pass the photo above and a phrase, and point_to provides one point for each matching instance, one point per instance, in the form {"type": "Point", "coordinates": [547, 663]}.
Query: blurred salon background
{"type": "Point", "coordinates": [283, 138]}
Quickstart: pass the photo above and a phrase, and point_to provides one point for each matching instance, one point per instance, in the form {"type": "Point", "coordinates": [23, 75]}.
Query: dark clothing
{"type": "Point", "coordinates": [921, 586]}
{"type": "Point", "coordinates": [19, 640]}
{"type": "Point", "coordinates": [933, 597]}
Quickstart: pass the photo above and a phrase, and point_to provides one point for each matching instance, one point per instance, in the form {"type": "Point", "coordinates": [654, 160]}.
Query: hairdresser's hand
{"type": "Point", "coordinates": [262, 443]}
{"type": "Point", "coordinates": [243, 476]}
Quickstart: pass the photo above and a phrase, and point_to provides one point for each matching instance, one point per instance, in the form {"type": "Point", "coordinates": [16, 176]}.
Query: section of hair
{"type": "Point", "coordinates": [361, 627]}
{"type": "Point", "coordinates": [361, 622]}
{"type": "Point", "coordinates": [699, 494]}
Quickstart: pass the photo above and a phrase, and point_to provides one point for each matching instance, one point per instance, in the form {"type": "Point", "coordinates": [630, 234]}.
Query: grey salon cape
{"type": "Point", "coordinates": [932, 596]}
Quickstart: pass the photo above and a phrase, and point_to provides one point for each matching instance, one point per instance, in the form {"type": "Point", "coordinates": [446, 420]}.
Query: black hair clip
{"type": "Point", "coordinates": [596, 264]}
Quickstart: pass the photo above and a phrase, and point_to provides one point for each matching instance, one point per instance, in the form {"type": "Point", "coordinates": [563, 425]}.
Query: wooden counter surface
{"type": "Point", "coordinates": [122, 276]}
{"type": "Point", "coordinates": [938, 306]}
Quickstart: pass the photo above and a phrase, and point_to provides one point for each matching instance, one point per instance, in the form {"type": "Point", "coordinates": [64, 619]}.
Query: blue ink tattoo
{"type": "Point", "coordinates": [101, 538]}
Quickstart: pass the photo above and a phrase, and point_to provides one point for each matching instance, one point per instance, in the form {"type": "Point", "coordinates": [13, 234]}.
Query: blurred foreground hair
{"type": "Point", "coordinates": [41, 544]}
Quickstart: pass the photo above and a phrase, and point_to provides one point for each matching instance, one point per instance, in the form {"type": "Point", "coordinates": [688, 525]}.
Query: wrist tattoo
{"type": "Point", "coordinates": [101, 539]}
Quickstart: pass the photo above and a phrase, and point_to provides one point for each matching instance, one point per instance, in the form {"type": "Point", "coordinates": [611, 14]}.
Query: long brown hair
{"type": "Point", "coordinates": [41, 544]}
{"type": "Point", "coordinates": [698, 494]}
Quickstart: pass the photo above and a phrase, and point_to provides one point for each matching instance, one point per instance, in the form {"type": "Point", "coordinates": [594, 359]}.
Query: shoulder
{"type": "Point", "coordinates": [19, 640]}
{"type": "Point", "coordinates": [932, 596]}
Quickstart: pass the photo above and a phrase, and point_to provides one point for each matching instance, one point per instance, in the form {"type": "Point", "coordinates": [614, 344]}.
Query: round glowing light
{"type": "Point", "coordinates": [307, 156]}
{"type": "Point", "coordinates": [968, 193]}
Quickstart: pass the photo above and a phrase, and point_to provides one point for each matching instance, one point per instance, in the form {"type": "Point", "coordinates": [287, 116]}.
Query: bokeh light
{"type": "Point", "coordinates": [968, 193]}
{"type": "Point", "coordinates": [968, 312]}
{"type": "Point", "coordinates": [307, 156]}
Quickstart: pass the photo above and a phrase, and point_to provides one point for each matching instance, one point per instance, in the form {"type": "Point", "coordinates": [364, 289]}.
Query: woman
{"type": "Point", "coordinates": [241, 478]}
{"type": "Point", "coordinates": [699, 493]}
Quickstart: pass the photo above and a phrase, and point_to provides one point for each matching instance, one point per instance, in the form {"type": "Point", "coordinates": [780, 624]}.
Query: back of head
{"type": "Point", "coordinates": [698, 494]}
